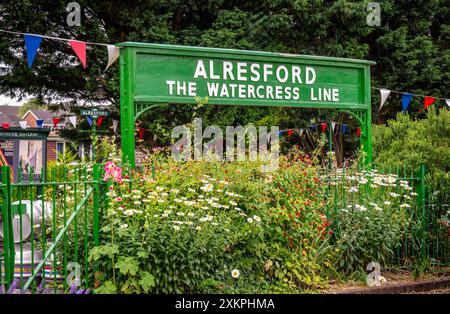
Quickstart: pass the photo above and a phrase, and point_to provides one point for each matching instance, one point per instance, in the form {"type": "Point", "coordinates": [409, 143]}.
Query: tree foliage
{"type": "Point", "coordinates": [411, 46]}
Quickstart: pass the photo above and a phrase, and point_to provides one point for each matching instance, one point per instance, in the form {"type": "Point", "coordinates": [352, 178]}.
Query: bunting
{"type": "Point", "coordinates": [428, 101]}
{"type": "Point", "coordinates": [115, 125]}
{"type": "Point", "coordinates": [40, 123]}
{"type": "Point", "coordinates": [289, 134]}
{"type": "Point", "coordinates": [358, 131]}
{"type": "Point", "coordinates": [99, 121]}
{"type": "Point", "coordinates": [79, 47]}
{"type": "Point", "coordinates": [5, 125]}
{"type": "Point", "coordinates": [141, 133]}
{"type": "Point", "coordinates": [113, 54]}
{"type": "Point", "coordinates": [73, 120]}
{"type": "Point", "coordinates": [324, 126]}
{"type": "Point", "coordinates": [384, 95]}
{"type": "Point", "coordinates": [56, 121]}
{"type": "Point", "coordinates": [89, 120]}
{"type": "Point", "coordinates": [344, 129]}
{"type": "Point", "coordinates": [406, 99]}
{"type": "Point", "coordinates": [32, 43]}
{"type": "Point", "coordinates": [23, 124]}
{"type": "Point", "coordinates": [447, 101]}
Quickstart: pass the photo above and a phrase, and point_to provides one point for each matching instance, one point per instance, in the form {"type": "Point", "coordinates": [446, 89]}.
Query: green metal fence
{"type": "Point", "coordinates": [48, 227]}
{"type": "Point", "coordinates": [426, 238]}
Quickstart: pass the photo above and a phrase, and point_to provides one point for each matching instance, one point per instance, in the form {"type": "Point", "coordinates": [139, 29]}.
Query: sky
{"type": "Point", "coordinates": [10, 101]}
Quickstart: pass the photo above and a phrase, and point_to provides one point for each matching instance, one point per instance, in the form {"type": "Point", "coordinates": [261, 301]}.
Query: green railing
{"type": "Point", "coordinates": [50, 224]}
{"type": "Point", "coordinates": [427, 239]}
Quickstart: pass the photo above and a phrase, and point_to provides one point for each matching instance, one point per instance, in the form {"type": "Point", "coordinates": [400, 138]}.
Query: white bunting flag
{"type": "Point", "coordinates": [447, 101]}
{"type": "Point", "coordinates": [333, 124]}
{"type": "Point", "coordinates": [115, 125]}
{"type": "Point", "coordinates": [301, 132]}
{"type": "Point", "coordinates": [113, 54]}
{"type": "Point", "coordinates": [23, 124]}
{"type": "Point", "coordinates": [384, 95]}
{"type": "Point", "coordinates": [73, 120]}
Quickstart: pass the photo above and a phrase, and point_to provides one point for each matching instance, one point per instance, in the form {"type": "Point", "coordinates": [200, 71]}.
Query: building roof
{"type": "Point", "coordinates": [9, 114]}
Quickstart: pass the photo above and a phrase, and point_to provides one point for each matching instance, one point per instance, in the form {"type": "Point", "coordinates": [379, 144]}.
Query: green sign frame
{"type": "Point", "coordinates": [154, 75]}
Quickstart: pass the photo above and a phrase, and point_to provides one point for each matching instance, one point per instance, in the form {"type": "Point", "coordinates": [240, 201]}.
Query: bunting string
{"type": "Point", "coordinates": [53, 38]}
{"type": "Point", "coordinates": [406, 99]}
{"type": "Point", "coordinates": [414, 95]}
{"type": "Point", "coordinates": [33, 41]}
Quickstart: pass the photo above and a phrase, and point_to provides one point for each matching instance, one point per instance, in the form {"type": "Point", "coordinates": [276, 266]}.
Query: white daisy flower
{"type": "Point", "coordinates": [235, 273]}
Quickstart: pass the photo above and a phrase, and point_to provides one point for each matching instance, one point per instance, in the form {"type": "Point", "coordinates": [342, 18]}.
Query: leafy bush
{"type": "Point", "coordinates": [175, 236]}
{"type": "Point", "coordinates": [407, 142]}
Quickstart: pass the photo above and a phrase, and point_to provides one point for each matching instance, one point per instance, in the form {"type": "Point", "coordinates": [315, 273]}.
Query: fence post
{"type": "Point", "coordinates": [421, 201]}
{"type": "Point", "coordinates": [96, 202]}
{"type": "Point", "coordinates": [8, 238]}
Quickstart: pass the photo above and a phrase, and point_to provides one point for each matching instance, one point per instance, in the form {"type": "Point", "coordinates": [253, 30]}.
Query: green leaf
{"type": "Point", "coordinates": [107, 288]}
{"type": "Point", "coordinates": [127, 265]}
{"type": "Point", "coordinates": [147, 281]}
{"type": "Point", "coordinates": [110, 250]}
{"type": "Point", "coordinates": [142, 254]}
{"type": "Point", "coordinates": [95, 253]}
{"type": "Point", "coordinates": [130, 286]}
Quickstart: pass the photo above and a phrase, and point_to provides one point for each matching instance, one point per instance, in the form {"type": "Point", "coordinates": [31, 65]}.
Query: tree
{"type": "Point", "coordinates": [34, 103]}
{"type": "Point", "coordinates": [412, 46]}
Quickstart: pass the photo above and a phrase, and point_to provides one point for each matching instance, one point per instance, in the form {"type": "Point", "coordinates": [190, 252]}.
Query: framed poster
{"type": "Point", "coordinates": [31, 158]}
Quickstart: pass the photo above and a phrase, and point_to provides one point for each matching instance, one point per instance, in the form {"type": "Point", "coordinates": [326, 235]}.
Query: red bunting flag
{"type": "Point", "coordinates": [289, 134]}
{"type": "Point", "coordinates": [5, 125]}
{"type": "Point", "coordinates": [428, 101]}
{"type": "Point", "coordinates": [358, 131]}
{"type": "Point", "coordinates": [56, 121]}
{"type": "Point", "coordinates": [99, 121]}
{"type": "Point", "coordinates": [141, 133]}
{"type": "Point", "coordinates": [80, 50]}
{"type": "Point", "coordinates": [324, 126]}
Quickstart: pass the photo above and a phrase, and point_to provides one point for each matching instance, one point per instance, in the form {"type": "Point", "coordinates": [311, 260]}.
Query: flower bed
{"type": "Point", "coordinates": [188, 229]}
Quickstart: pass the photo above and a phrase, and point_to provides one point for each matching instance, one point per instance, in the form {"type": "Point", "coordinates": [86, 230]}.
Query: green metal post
{"type": "Point", "coordinates": [330, 142]}
{"type": "Point", "coordinates": [94, 137]}
{"type": "Point", "coordinates": [366, 127]}
{"type": "Point", "coordinates": [127, 105]}
{"type": "Point", "coordinates": [420, 189]}
{"type": "Point", "coordinates": [8, 240]}
{"type": "Point", "coordinates": [96, 201]}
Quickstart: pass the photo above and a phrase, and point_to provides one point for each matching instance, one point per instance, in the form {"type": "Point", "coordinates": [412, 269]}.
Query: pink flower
{"type": "Point", "coordinates": [111, 170]}
{"type": "Point", "coordinates": [118, 199]}
{"type": "Point", "coordinates": [109, 166]}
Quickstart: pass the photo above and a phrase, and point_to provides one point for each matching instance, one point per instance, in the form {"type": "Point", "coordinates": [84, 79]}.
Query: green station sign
{"type": "Point", "coordinates": [153, 74]}
{"type": "Point", "coordinates": [249, 80]}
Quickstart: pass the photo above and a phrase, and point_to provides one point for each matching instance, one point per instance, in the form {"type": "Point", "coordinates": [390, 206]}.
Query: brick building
{"type": "Point", "coordinates": [55, 144]}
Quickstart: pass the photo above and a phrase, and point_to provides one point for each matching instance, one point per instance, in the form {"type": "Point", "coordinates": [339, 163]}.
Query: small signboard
{"type": "Point", "coordinates": [25, 149]}
{"type": "Point", "coordinates": [94, 113]}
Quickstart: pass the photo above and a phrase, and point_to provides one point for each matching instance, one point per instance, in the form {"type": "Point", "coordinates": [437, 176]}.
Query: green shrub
{"type": "Point", "coordinates": [407, 142]}
{"type": "Point", "coordinates": [374, 214]}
